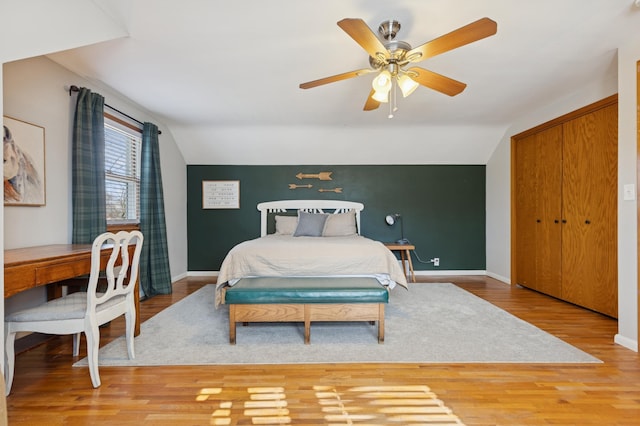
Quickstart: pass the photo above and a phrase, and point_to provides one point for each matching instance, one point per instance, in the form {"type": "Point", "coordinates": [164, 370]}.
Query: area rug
{"type": "Point", "coordinates": [430, 323]}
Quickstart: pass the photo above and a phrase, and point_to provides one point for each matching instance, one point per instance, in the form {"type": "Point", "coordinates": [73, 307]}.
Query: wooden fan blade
{"type": "Point", "coordinates": [435, 81]}
{"type": "Point", "coordinates": [475, 31]}
{"type": "Point", "coordinates": [362, 34]}
{"type": "Point", "coordinates": [334, 78]}
{"type": "Point", "coordinates": [371, 103]}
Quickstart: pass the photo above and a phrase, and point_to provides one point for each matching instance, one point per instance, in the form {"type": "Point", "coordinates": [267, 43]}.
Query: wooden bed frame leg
{"type": "Point", "coordinates": [232, 324]}
{"type": "Point", "coordinates": [381, 323]}
{"type": "Point", "coordinates": [307, 325]}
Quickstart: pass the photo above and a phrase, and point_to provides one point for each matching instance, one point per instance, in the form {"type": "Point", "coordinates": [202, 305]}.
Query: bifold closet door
{"type": "Point", "coordinates": [549, 210]}
{"type": "Point", "coordinates": [538, 211]}
{"type": "Point", "coordinates": [525, 211]}
{"type": "Point", "coordinates": [589, 230]}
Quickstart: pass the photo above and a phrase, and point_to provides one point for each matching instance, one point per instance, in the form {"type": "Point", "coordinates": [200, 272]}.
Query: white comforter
{"type": "Point", "coordinates": [285, 255]}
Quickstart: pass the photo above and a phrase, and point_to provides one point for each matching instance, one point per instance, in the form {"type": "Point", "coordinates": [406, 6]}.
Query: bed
{"type": "Point", "coordinates": [310, 238]}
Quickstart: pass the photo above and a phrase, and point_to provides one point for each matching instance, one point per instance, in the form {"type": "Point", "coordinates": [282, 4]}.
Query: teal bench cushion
{"type": "Point", "coordinates": [306, 290]}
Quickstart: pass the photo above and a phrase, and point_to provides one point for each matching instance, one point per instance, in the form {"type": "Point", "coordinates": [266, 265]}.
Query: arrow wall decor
{"type": "Point", "coordinates": [321, 175]}
{"type": "Point", "coordinates": [294, 186]}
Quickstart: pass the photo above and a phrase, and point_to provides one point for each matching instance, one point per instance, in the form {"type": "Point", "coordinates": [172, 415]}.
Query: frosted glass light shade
{"type": "Point", "coordinates": [407, 85]}
{"type": "Point", "coordinates": [382, 83]}
{"type": "Point", "coordinates": [381, 96]}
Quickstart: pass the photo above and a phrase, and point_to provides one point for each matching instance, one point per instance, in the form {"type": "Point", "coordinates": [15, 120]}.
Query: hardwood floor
{"type": "Point", "coordinates": [47, 390]}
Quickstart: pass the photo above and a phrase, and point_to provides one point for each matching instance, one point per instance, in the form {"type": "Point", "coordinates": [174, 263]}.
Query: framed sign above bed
{"type": "Point", "coordinates": [220, 194]}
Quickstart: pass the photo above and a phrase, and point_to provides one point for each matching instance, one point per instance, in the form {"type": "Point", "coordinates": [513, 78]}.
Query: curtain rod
{"type": "Point", "coordinates": [75, 88]}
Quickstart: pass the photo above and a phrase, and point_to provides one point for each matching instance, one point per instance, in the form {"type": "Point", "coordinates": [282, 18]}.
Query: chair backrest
{"type": "Point", "coordinates": [120, 262]}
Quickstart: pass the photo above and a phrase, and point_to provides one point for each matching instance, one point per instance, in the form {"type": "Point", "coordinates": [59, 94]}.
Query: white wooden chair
{"type": "Point", "coordinates": [84, 312]}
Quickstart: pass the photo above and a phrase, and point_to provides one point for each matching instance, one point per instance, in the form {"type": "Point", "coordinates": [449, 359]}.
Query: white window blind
{"type": "Point", "coordinates": [122, 173]}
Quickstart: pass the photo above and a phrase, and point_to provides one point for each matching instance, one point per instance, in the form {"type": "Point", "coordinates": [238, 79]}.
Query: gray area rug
{"type": "Point", "coordinates": [430, 323]}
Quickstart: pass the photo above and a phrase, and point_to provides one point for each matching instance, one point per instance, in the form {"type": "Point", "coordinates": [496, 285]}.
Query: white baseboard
{"type": "Point", "coordinates": [179, 277]}
{"type": "Point", "coordinates": [626, 342]}
{"type": "Point", "coordinates": [449, 273]}
{"type": "Point", "coordinates": [499, 278]}
{"type": "Point", "coordinates": [202, 273]}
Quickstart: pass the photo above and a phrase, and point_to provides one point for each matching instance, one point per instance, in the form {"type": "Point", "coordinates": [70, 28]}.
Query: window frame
{"type": "Point", "coordinates": [129, 127]}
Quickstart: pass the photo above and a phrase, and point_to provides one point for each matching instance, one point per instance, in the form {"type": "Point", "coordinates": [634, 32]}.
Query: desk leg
{"type": "Point", "coordinates": [54, 291]}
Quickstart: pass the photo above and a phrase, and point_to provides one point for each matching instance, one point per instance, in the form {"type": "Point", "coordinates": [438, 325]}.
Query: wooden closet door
{"type": "Point", "coordinates": [538, 207]}
{"type": "Point", "coordinates": [549, 210]}
{"type": "Point", "coordinates": [589, 236]}
{"type": "Point", "coordinates": [525, 210]}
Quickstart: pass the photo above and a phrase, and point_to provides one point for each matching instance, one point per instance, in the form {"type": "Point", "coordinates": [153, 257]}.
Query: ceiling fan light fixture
{"type": "Point", "coordinates": [382, 83]}
{"type": "Point", "coordinates": [407, 85]}
{"type": "Point", "coordinates": [381, 96]}
{"type": "Point", "coordinates": [388, 57]}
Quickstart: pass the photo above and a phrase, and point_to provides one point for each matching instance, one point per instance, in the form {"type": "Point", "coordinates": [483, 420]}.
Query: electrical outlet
{"type": "Point", "coordinates": [436, 261]}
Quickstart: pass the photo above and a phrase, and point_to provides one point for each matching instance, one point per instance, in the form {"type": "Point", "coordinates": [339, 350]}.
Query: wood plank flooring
{"type": "Point", "coordinates": [48, 391]}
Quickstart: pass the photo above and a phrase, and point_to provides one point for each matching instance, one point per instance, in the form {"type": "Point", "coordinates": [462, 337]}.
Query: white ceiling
{"type": "Point", "coordinates": [204, 64]}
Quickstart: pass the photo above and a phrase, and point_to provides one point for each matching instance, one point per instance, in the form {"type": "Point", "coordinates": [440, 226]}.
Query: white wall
{"type": "Point", "coordinates": [34, 91]}
{"type": "Point", "coordinates": [498, 201]}
{"type": "Point", "coordinates": [277, 145]}
{"type": "Point", "coordinates": [499, 196]}
{"type": "Point", "coordinates": [628, 56]}
{"type": "Point", "coordinates": [1, 236]}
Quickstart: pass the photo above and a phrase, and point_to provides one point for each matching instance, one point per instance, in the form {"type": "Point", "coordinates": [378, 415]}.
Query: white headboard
{"type": "Point", "coordinates": [311, 206]}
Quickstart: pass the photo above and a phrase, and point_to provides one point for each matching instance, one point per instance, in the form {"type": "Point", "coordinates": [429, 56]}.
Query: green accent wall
{"type": "Point", "coordinates": [442, 206]}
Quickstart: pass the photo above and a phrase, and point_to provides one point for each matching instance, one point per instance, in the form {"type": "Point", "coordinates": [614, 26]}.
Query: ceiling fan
{"type": "Point", "coordinates": [391, 57]}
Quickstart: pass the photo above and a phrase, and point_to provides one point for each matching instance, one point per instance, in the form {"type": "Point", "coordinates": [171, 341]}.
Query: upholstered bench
{"type": "Point", "coordinates": [306, 299]}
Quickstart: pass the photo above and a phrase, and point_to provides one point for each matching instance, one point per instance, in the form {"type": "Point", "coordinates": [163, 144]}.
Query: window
{"type": "Point", "coordinates": [122, 170]}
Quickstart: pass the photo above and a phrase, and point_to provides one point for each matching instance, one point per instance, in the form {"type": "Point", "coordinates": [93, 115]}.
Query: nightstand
{"type": "Point", "coordinates": [405, 253]}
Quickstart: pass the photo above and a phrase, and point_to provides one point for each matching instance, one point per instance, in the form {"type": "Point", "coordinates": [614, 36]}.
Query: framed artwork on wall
{"type": "Point", "coordinates": [220, 194]}
{"type": "Point", "coordinates": [24, 163]}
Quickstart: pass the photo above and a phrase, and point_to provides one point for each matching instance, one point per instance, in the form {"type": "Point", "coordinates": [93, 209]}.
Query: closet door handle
{"type": "Point", "coordinates": [538, 221]}
{"type": "Point", "coordinates": [556, 221]}
{"type": "Point", "coordinates": [564, 220]}
{"type": "Point", "coordinates": [588, 222]}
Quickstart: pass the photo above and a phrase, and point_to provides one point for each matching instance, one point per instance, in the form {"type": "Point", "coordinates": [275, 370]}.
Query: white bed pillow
{"type": "Point", "coordinates": [286, 225]}
{"type": "Point", "coordinates": [340, 225]}
{"type": "Point", "coordinates": [310, 224]}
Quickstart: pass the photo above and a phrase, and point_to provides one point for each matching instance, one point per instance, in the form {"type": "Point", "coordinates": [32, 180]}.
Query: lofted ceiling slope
{"type": "Point", "coordinates": [224, 76]}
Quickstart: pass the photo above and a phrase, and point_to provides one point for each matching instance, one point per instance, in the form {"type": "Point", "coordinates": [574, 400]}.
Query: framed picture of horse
{"type": "Point", "coordinates": [24, 172]}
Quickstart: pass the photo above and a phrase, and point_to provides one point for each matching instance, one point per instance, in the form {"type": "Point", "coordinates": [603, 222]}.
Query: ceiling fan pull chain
{"type": "Point", "coordinates": [395, 93]}
{"type": "Point", "coordinates": [392, 101]}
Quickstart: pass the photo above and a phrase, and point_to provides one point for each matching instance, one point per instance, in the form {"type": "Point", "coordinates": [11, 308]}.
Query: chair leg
{"type": "Point", "coordinates": [130, 324]}
{"type": "Point", "coordinates": [93, 342]}
{"type": "Point", "coordinates": [76, 344]}
{"type": "Point", "coordinates": [10, 359]}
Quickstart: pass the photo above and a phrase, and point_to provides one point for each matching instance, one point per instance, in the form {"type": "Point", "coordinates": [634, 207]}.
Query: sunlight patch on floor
{"type": "Point", "coordinates": [361, 405]}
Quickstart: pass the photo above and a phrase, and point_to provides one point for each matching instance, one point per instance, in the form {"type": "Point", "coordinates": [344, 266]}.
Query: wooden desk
{"type": "Point", "coordinates": [30, 267]}
{"type": "Point", "coordinates": [405, 253]}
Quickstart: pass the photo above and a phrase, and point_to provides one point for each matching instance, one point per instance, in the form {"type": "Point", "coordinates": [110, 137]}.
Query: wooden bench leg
{"type": "Point", "coordinates": [381, 323]}
{"type": "Point", "coordinates": [232, 324]}
{"type": "Point", "coordinates": [307, 325]}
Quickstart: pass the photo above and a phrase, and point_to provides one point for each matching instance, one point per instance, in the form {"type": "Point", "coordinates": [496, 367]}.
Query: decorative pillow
{"type": "Point", "coordinates": [310, 224]}
{"type": "Point", "coordinates": [340, 225]}
{"type": "Point", "coordinates": [286, 225]}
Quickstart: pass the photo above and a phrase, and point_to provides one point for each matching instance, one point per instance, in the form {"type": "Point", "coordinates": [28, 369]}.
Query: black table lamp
{"type": "Point", "coordinates": [391, 220]}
